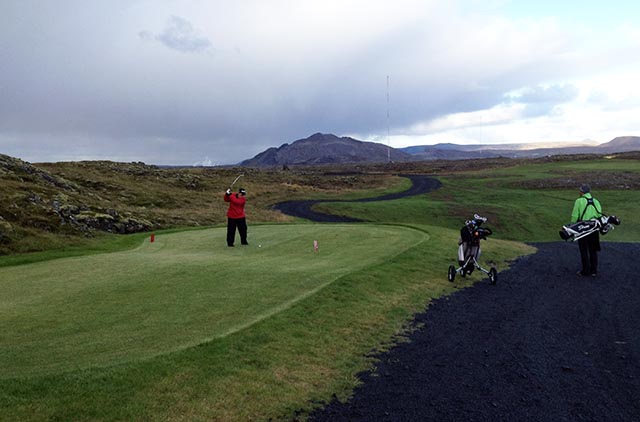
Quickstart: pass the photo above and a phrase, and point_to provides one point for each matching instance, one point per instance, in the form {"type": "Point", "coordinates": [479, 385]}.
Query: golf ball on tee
{"type": "Point", "coordinates": [259, 246]}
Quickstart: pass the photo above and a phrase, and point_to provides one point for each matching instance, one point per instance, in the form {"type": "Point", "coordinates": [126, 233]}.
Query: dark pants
{"type": "Point", "coordinates": [589, 247]}
{"type": "Point", "coordinates": [241, 224]}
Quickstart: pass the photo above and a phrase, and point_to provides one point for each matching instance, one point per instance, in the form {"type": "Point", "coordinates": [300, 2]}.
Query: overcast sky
{"type": "Point", "coordinates": [216, 82]}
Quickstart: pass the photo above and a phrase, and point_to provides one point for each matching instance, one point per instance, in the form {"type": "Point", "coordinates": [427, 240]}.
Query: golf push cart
{"type": "Point", "coordinates": [469, 250]}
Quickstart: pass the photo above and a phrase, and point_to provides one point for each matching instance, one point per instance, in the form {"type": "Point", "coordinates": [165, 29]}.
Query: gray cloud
{"type": "Point", "coordinates": [548, 94]}
{"type": "Point", "coordinates": [103, 77]}
{"type": "Point", "coordinates": [542, 100]}
{"type": "Point", "coordinates": [180, 35]}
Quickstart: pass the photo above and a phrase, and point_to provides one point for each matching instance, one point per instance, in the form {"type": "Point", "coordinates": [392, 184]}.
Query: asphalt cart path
{"type": "Point", "coordinates": [542, 345]}
{"type": "Point", "coordinates": [303, 209]}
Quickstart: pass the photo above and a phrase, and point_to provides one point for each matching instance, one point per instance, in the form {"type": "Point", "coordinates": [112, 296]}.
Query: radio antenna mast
{"type": "Point", "coordinates": [388, 147]}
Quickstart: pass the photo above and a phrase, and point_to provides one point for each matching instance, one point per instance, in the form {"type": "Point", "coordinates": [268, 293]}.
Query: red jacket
{"type": "Point", "coordinates": [236, 205]}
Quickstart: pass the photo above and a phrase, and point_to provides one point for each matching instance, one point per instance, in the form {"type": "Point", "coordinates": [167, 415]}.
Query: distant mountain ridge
{"type": "Point", "coordinates": [454, 151]}
{"type": "Point", "coordinates": [322, 148]}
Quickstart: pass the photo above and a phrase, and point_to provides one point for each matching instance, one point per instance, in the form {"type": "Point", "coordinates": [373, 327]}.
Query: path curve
{"type": "Point", "coordinates": [303, 209]}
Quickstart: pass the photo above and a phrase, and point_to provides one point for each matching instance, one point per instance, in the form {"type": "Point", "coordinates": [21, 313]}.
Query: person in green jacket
{"type": "Point", "coordinates": [585, 208]}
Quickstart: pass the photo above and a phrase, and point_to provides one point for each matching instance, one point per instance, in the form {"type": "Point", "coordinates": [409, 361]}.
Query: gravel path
{"type": "Point", "coordinates": [541, 345]}
{"type": "Point", "coordinates": [302, 209]}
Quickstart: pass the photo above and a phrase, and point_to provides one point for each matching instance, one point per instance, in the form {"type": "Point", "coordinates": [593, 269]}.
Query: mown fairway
{"type": "Point", "coordinates": [183, 289]}
{"type": "Point", "coordinates": [188, 329]}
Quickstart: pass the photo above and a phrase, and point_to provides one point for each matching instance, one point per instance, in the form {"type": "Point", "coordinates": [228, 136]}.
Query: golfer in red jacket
{"type": "Point", "coordinates": [236, 216]}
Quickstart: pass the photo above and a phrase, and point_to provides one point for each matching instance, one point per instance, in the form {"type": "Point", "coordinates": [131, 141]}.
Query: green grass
{"type": "Point", "coordinates": [188, 329]}
{"type": "Point", "coordinates": [515, 210]}
{"type": "Point", "coordinates": [184, 289]}
{"type": "Point", "coordinates": [103, 243]}
{"type": "Point", "coordinates": [186, 339]}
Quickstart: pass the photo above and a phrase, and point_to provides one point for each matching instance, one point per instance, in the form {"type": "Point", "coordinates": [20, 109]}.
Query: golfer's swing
{"type": "Point", "coordinates": [235, 214]}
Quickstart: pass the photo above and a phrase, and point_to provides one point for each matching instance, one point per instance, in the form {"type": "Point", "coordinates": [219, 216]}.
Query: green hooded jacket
{"type": "Point", "coordinates": [591, 211]}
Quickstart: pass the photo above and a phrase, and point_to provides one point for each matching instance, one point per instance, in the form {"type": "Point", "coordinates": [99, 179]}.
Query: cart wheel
{"type": "Point", "coordinates": [493, 275]}
{"type": "Point", "coordinates": [452, 273]}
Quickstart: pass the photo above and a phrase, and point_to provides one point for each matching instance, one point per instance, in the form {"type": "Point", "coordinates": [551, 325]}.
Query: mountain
{"type": "Point", "coordinates": [621, 144]}
{"type": "Point", "coordinates": [329, 149]}
{"type": "Point", "coordinates": [322, 148]}
{"type": "Point", "coordinates": [457, 152]}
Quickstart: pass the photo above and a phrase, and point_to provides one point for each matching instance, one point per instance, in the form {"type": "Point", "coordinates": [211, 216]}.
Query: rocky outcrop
{"type": "Point", "coordinates": [16, 169]}
{"type": "Point", "coordinates": [84, 219]}
{"type": "Point", "coordinates": [111, 223]}
{"type": "Point", "coordinates": [32, 198]}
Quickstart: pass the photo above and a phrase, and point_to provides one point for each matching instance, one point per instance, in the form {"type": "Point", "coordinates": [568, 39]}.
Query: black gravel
{"type": "Point", "coordinates": [302, 209]}
{"type": "Point", "coordinates": [542, 345]}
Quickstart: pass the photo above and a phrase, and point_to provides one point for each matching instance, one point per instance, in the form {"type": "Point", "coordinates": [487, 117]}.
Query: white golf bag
{"type": "Point", "coordinates": [575, 231]}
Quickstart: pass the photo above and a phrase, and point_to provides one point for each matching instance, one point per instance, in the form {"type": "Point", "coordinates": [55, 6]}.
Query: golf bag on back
{"type": "Point", "coordinates": [575, 231]}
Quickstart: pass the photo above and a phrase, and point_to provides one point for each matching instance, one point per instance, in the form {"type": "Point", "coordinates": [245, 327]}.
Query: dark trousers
{"type": "Point", "coordinates": [589, 247]}
{"type": "Point", "coordinates": [241, 224]}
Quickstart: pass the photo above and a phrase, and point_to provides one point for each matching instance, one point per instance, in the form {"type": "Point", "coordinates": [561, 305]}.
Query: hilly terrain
{"type": "Point", "coordinates": [330, 149]}
{"type": "Point", "coordinates": [45, 206]}
{"type": "Point", "coordinates": [50, 205]}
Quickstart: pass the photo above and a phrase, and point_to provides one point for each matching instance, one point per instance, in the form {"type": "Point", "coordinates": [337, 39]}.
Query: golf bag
{"type": "Point", "coordinates": [470, 236]}
{"type": "Point", "coordinates": [575, 231]}
{"type": "Point", "coordinates": [469, 249]}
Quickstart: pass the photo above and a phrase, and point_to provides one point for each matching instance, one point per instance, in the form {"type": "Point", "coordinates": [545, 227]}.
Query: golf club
{"type": "Point", "coordinates": [234, 182]}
